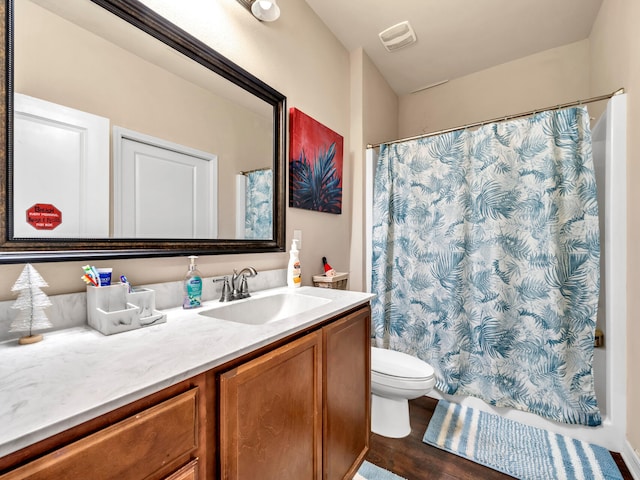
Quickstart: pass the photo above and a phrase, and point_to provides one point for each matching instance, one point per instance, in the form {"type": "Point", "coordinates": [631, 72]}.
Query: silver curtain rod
{"type": "Point", "coordinates": [247, 172]}
{"type": "Point", "coordinates": [503, 119]}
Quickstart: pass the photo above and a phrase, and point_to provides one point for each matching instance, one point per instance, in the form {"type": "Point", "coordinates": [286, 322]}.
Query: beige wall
{"type": "Point", "coordinates": [374, 107]}
{"type": "Point", "coordinates": [615, 50]}
{"type": "Point", "coordinates": [548, 78]}
{"type": "Point", "coordinates": [296, 55]}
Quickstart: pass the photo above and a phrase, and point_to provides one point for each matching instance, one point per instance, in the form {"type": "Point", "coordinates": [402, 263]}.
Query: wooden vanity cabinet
{"type": "Point", "coordinates": [301, 411]}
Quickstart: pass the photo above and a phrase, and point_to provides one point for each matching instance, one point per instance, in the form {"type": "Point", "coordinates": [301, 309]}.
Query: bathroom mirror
{"type": "Point", "coordinates": [121, 80]}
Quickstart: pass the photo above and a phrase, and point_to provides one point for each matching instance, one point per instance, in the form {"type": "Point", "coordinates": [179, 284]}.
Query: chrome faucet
{"type": "Point", "coordinates": [235, 291]}
{"type": "Point", "coordinates": [241, 291]}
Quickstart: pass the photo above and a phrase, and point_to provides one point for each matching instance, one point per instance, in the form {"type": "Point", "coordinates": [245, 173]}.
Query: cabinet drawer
{"type": "Point", "coordinates": [188, 472]}
{"type": "Point", "coordinates": [134, 448]}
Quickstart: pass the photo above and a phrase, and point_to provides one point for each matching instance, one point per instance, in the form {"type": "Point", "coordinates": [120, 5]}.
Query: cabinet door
{"type": "Point", "coordinates": [347, 389]}
{"type": "Point", "coordinates": [271, 415]}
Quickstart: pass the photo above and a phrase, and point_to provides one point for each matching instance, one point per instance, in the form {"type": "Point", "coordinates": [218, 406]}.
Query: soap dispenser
{"type": "Point", "coordinates": [192, 286]}
{"type": "Point", "coordinates": [294, 274]}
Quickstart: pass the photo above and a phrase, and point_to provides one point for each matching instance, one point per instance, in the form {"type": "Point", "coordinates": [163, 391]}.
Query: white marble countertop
{"type": "Point", "coordinates": [77, 374]}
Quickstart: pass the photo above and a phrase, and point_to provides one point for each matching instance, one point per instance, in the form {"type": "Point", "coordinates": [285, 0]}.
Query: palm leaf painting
{"type": "Point", "coordinates": [315, 165]}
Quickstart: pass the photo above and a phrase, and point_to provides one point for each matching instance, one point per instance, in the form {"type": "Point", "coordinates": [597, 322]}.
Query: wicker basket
{"type": "Point", "coordinates": [338, 281]}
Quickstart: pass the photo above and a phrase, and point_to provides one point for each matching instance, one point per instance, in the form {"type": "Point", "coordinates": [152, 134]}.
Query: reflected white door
{"type": "Point", "coordinates": [61, 161]}
{"type": "Point", "coordinates": [162, 190]}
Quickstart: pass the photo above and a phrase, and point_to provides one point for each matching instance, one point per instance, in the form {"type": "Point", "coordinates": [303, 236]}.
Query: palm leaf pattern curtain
{"type": "Point", "coordinates": [486, 261]}
{"type": "Point", "coordinates": [259, 205]}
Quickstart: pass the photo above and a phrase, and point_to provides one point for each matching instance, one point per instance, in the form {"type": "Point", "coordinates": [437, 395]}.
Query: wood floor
{"type": "Point", "coordinates": [414, 460]}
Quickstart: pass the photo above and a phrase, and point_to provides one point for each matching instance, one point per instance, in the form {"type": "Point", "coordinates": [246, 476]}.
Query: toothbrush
{"type": "Point", "coordinates": [95, 275]}
{"type": "Point", "coordinates": [89, 280]}
{"type": "Point", "coordinates": [124, 280]}
{"type": "Point", "coordinates": [92, 275]}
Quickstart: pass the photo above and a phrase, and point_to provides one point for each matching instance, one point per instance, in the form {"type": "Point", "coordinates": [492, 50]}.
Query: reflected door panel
{"type": "Point", "coordinates": [53, 145]}
{"type": "Point", "coordinates": [163, 190]}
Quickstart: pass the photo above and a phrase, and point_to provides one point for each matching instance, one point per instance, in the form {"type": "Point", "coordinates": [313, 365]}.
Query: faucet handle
{"type": "Point", "coordinates": [244, 288]}
{"type": "Point", "coordinates": [226, 295]}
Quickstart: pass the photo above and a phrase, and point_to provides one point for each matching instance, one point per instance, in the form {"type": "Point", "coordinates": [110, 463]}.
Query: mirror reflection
{"type": "Point", "coordinates": [116, 135]}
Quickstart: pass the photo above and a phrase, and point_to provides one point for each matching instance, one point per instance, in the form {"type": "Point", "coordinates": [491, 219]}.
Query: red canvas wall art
{"type": "Point", "coordinates": [315, 165]}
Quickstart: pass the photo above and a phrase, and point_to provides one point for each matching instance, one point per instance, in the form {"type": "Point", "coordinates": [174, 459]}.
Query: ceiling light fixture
{"type": "Point", "coordinates": [263, 10]}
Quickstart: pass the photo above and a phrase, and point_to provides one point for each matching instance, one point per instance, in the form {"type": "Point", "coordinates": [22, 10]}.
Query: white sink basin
{"type": "Point", "coordinates": [261, 310]}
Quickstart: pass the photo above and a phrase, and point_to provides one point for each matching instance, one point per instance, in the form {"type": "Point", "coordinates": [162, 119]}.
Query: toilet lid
{"type": "Point", "coordinates": [398, 364]}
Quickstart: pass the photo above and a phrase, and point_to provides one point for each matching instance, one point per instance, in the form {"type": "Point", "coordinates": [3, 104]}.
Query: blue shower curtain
{"type": "Point", "coordinates": [259, 205]}
{"type": "Point", "coordinates": [486, 261]}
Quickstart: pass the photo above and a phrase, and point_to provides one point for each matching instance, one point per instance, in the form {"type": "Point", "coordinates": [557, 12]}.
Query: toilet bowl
{"type": "Point", "coordinates": [396, 378]}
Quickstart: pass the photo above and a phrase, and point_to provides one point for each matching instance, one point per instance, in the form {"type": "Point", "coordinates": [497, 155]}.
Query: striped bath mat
{"type": "Point", "coordinates": [524, 452]}
{"type": "Point", "coordinates": [369, 471]}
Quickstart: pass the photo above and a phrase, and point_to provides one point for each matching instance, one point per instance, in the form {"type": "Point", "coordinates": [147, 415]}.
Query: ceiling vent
{"type": "Point", "coordinates": [398, 36]}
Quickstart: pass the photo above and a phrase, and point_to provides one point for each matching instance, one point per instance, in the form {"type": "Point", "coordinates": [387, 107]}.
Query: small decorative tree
{"type": "Point", "coordinates": [31, 302]}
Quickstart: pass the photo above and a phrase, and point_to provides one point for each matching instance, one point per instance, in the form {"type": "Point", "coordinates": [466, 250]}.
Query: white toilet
{"type": "Point", "coordinates": [396, 378]}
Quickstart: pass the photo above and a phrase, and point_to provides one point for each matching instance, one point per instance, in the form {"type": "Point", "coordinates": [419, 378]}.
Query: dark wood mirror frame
{"type": "Point", "coordinates": [51, 250]}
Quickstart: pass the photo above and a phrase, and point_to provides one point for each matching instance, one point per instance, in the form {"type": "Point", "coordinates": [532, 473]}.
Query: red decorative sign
{"type": "Point", "coordinates": [44, 216]}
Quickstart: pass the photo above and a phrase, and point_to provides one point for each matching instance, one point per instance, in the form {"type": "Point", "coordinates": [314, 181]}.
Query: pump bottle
{"type": "Point", "coordinates": [294, 274]}
{"type": "Point", "coordinates": [192, 286]}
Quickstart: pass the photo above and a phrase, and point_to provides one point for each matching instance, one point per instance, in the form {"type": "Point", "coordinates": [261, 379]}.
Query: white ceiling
{"type": "Point", "coordinates": [455, 37]}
